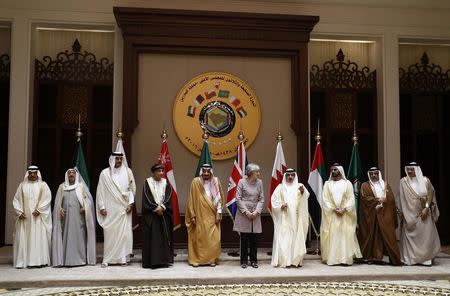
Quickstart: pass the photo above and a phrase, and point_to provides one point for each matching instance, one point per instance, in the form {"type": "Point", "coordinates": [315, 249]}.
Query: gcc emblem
{"type": "Point", "coordinates": [221, 103]}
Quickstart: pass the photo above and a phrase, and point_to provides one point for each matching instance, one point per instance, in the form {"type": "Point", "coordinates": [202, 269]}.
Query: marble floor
{"type": "Point", "coordinates": [228, 272]}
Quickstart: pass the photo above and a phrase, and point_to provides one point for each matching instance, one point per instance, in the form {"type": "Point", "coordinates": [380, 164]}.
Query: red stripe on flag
{"type": "Point", "coordinates": [164, 159]}
{"type": "Point", "coordinates": [279, 167]}
{"type": "Point", "coordinates": [318, 158]}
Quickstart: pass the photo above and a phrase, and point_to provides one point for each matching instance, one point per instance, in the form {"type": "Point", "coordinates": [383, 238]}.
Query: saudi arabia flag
{"type": "Point", "coordinates": [205, 157]}
{"type": "Point", "coordinates": [354, 174]}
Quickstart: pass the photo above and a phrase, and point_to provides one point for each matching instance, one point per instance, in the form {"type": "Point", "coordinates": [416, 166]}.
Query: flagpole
{"type": "Point", "coordinates": [241, 138]}
{"type": "Point", "coordinates": [164, 135]}
{"type": "Point", "coordinates": [318, 138]}
{"type": "Point", "coordinates": [355, 136]}
{"type": "Point", "coordinates": [78, 133]}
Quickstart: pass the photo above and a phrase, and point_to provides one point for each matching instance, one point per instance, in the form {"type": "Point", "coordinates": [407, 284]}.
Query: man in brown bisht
{"type": "Point", "coordinates": [378, 220]}
{"type": "Point", "coordinates": [419, 238]}
{"type": "Point", "coordinates": [203, 216]}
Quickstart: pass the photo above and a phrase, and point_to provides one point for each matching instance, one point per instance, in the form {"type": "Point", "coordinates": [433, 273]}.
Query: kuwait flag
{"type": "Point", "coordinates": [354, 174]}
{"type": "Point", "coordinates": [317, 175]}
{"type": "Point", "coordinates": [164, 159]}
{"type": "Point", "coordinates": [279, 167]}
{"type": "Point", "coordinates": [80, 163]}
{"type": "Point", "coordinates": [237, 173]}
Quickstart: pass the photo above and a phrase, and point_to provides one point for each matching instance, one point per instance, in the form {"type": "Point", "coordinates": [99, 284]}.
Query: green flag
{"type": "Point", "coordinates": [80, 163]}
{"type": "Point", "coordinates": [354, 174]}
{"type": "Point", "coordinates": [205, 157]}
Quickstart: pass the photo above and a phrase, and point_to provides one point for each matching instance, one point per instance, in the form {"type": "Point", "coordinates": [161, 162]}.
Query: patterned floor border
{"type": "Point", "coordinates": [305, 288]}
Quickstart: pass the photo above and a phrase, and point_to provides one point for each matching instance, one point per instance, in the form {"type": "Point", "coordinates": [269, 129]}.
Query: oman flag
{"type": "Point", "coordinates": [164, 159]}
{"type": "Point", "coordinates": [279, 167]}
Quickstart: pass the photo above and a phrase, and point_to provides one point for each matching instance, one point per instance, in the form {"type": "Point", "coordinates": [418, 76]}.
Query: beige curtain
{"type": "Point", "coordinates": [51, 42]}
{"type": "Point", "coordinates": [322, 51]}
{"type": "Point", "coordinates": [411, 53]}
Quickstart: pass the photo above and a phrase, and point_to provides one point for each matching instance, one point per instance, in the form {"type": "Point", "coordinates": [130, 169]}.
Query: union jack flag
{"type": "Point", "coordinates": [237, 173]}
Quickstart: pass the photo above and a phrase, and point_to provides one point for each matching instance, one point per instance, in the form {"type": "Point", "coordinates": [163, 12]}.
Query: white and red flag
{"type": "Point", "coordinates": [164, 159]}
{"type": "Point", "coordinates": [237, 173]}
{"type": "Point", "coordinates": [279, 167]}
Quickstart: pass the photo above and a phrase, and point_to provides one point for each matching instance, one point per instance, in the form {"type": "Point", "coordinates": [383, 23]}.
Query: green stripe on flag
{"type": "Point", "coordinates": [79, 162]}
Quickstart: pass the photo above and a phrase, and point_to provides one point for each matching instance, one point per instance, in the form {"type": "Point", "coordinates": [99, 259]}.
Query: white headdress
{"type": "Point", "coordinates": [290, 188]}
{"type": "Point", "coordinates": [421, 188]}
{"type": "Point", "coordinates": [341, 170]}
{"type": "Point", "coordinates": [77, 185]}
{"type": "Point", "coordinates": [33, 168]}
{"type": "Point", "coordinates": [378, 188]}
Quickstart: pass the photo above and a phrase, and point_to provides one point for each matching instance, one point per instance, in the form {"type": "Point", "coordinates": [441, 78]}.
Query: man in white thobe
{"type": "Point", "coordinates": [419, 238]}
{"type": "Point", "coordinates": [73, 239]}
{"type": "Point", "coordinates": [115, 198]}
{"type": "Point", "coordinates": [290, 221]}
{"type": "Point", "coordinates": [339, 244]}
{"type": "Point", "coordinates": [33, 231]}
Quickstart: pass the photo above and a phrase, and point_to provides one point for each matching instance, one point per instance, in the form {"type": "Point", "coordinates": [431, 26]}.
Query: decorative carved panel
{"type": "Point", "coordinates": [341, 75]}
{"type": "Point", "coordinates": [5, 67]}
{"type": "Point", "coordinates": [424, 77]}
{"type": "Point", "coordinates": [75, 66]}
{"type": "Point", "coordinates": [341, 110]}
{"type": "Point", "coordinates": [75, 103]}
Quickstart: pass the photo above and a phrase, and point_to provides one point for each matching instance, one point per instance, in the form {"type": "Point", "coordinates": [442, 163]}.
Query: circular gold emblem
{"type": "Point", "coordinates": [220, 103]}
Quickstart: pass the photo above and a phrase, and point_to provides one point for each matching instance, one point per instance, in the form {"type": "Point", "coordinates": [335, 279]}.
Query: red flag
{"type": "Point", "coordinates": [164, 159]}
{"type": "Point", "coordinates": [279, 167]}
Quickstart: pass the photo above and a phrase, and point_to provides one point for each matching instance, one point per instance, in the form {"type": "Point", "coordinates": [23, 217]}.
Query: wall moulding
{"type": "Point", "coordinates": [217, 33]}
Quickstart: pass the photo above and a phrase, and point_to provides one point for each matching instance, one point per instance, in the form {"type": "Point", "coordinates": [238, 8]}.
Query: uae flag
{"type": "Point", "coordinates": [205, 157]}
{"type": "Point", "coordinates": [354, 174]}
{"type": "Point", "coordinates": [316, 178]}
{"type": "Point", "coordinates": [317, 175]}
{"type": "Point", "coordinates": [80, 163]}
{"type": "Point", "coordinates": [237, 173]}
{"type": "Point", "coordinates": [164, 159]}
{"type": "Point", "coordinates": [279, 167]}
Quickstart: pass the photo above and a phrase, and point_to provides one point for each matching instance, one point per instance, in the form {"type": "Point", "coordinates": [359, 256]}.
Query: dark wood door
{"type": "Point", "coordinates": [425, 138]}
{"type": "Point", "coordinates": [74, 88]}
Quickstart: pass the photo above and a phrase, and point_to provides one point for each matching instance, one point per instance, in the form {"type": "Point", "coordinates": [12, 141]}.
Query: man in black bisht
{"type": "Point", "coordinates": [157, 220]}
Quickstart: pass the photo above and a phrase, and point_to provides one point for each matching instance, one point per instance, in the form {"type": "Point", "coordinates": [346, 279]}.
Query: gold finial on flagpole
{"type": "Point", "coordinates": [279, 137]}
{"type": "Point", "coordinates": [241, 136]}
{"type": "Point", "coordinates": [355, 136]}
{"type": "Point", "coordinates": [164, 134]}
{"type": "Point", "coordinates": [205, 135]}
{"type": "Point", "coordinates": [318, 137]}
{"type": "Point", "coordinates": [78, 133]}
{"type": "Point", "coordinates": [119, 134]}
